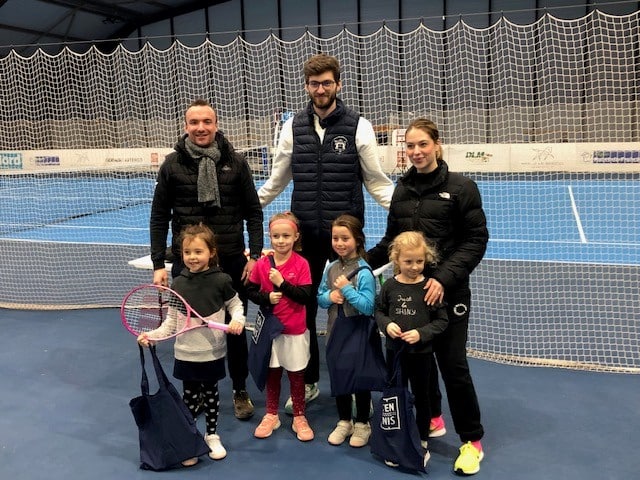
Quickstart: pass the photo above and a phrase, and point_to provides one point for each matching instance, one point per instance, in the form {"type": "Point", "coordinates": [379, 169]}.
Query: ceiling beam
{"type": "Point", "coordinates": [113, 12]}
{"type": "Point", "coordinates": [39, 33]}
{"type": "Point", "coordinates": [164, 14]}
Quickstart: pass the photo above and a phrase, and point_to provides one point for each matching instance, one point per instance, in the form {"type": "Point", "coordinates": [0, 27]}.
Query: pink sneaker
{"type": "Point", "coordinates": [302, 428]}
{"type": "Point", "coordinates": [190, 462]}
{"type": "Point", "coordinates": [266, 427]}
{"type": "Point", "coordinates": [436, 427]}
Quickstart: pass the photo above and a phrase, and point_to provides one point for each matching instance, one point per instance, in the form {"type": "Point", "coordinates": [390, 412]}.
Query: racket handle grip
{"type": "Point", "coordinates": [218, 326]}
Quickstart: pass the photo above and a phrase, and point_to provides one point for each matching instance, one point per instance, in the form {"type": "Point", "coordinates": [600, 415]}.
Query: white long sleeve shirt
{"type": "Point", "coordinates": [379, 186]}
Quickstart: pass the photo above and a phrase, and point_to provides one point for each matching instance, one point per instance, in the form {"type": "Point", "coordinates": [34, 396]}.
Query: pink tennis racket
{"type": "Point", "coordinates": [161, 311]}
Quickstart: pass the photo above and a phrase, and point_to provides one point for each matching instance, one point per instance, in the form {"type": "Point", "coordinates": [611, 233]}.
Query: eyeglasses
{"type": "Point", "coordinates": [316, 85]}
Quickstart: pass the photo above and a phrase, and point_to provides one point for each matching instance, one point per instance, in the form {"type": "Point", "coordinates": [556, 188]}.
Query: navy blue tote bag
{"type": "Point", "coordinates": [167, 431]}
{"type": "Point", "coordinates": [394, 433]}
{"type": "Point", "coordinates": [354, 355]}
{"type": "Point", "coordinates": [267, 327]}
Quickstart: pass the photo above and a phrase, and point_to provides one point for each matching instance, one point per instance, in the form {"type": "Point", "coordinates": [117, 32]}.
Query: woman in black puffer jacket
{"type": "Point", "coordinates": [446, 207]}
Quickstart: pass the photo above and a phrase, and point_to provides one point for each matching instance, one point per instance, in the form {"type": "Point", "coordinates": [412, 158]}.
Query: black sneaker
{"type": "Point", "coordinates": [242, 405]}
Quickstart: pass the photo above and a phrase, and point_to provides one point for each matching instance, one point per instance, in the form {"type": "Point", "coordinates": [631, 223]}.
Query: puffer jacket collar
{"type": "Point", "coordinates": [333, 117]}
{"type": "Point", "coordinates": [409, 180]}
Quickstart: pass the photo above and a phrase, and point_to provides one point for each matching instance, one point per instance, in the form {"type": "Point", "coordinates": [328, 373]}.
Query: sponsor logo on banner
{"type": "Point", "coordinates": [47, 160]}
{"type": "Point", "coordinates": [612, 156]}
{"type": "Point", "coordinates": [10, 161]}
{"type": "Point", "coordinates": [477, 157]}
{"type": "Point", "coordinates": [124, 161]}
{"type": "Point", "coordinates": [542, 156]}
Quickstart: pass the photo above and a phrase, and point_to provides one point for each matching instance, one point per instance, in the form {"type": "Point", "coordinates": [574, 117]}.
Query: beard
{"type": "Point", "coordinates": [324, 101]}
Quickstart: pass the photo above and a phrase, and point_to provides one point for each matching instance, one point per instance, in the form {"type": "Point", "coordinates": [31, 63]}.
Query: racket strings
{"type": "Point", "coordinates": [160, 313]}
{"type": "Point", "coordinates": [145, 310]}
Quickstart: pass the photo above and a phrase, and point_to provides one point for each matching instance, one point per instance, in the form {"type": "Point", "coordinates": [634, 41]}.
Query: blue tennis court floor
{"type": "Point", "coordinates": [593, 221]}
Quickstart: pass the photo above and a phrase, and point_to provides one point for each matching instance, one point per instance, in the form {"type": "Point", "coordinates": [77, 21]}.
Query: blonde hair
{"type": "Point", "coordinates": [412, 240]}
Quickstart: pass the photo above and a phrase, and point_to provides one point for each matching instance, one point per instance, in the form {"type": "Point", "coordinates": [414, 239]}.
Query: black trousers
{"type": "Point", "coordinates": [237, 347]}
{"type": "Point", "coordinates": [450, 351]}
{"type": "Point", "coordinates": [316, 252]}
{"type": "Point", "coordinates": [416, 374]}
{"type": "Point", "coordinates": [344, 403]}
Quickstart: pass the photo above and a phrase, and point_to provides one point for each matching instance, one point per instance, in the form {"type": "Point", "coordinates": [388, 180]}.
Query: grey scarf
{"type": "Point", "coordinates": [208, 191]}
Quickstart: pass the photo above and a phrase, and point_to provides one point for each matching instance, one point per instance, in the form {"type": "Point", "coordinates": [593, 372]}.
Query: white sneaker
{"type": "Point", "coordinates": [427, 455]}
{"type": "Point", "coordinates": [343, 430]}
{"type": "Point", "coordinates": [311, 392]}
{"type": "Point", "coordinates": [361, 434]}
{"type": "Point", "coordinates": [425, 459]}
{"type": "Point", "coordinates": [217, 452]}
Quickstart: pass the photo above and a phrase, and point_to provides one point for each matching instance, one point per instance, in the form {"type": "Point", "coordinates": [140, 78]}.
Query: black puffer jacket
{"type": "Point", "coordinates": [447, 208]}
{"type": "Point", "coordinates": [175, 200]}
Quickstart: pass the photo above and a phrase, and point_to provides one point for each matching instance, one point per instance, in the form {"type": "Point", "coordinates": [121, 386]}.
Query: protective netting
{"type": "Point", "coordinates": [559, 285]}
{"type": "Point", "coordinates": [551, 81]}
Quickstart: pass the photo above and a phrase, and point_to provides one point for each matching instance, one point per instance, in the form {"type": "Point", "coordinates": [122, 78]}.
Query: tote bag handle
{"type": "Point", "coordinates": [350, 276]}
{"type": "Point", "coordinates": [360, 268]}
{"type": "Point", "coordinates": [163, 381]}
{"type": "Point", "coordinates": [396, 377]}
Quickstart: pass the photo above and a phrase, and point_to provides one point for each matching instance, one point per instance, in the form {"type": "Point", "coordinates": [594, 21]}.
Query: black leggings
{"type": "Point", "coordinates": [205, 394]}
{"type": "Point", "coordinates": [416, 373]}
{"type": "Point", "coordinates": [363, 405]}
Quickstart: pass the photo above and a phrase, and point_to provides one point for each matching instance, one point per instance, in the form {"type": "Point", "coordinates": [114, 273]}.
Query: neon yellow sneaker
{"type": "Point", "coordinates": [468, 462]}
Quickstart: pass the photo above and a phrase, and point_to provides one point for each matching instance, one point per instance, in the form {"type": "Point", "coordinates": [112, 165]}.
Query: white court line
{"type": "Point", "coordinates": [562, 242]}
{"type": "Point", "coordinates": [71, 242]}
{"type": "Point", "coordinates": [576, 215]}
{"type": "Point", "coordinates": [26, 226]}
{"type": "Point", "coordinates": [491, 240]}
{"type": "Point", "coordinates": [559, 262]}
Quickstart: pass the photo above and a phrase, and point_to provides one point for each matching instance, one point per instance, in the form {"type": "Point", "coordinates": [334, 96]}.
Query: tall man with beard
{"type": "Point", "coordinates": [330, 152]}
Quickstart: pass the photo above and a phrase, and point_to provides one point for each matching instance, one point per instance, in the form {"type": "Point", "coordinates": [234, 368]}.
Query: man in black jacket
{"type": "Point", "coordinates": [206, 180]}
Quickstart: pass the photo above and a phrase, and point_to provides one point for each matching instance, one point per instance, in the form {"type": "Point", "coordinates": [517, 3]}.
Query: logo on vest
{"type": "Point", "coordinates": [340, 144]}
